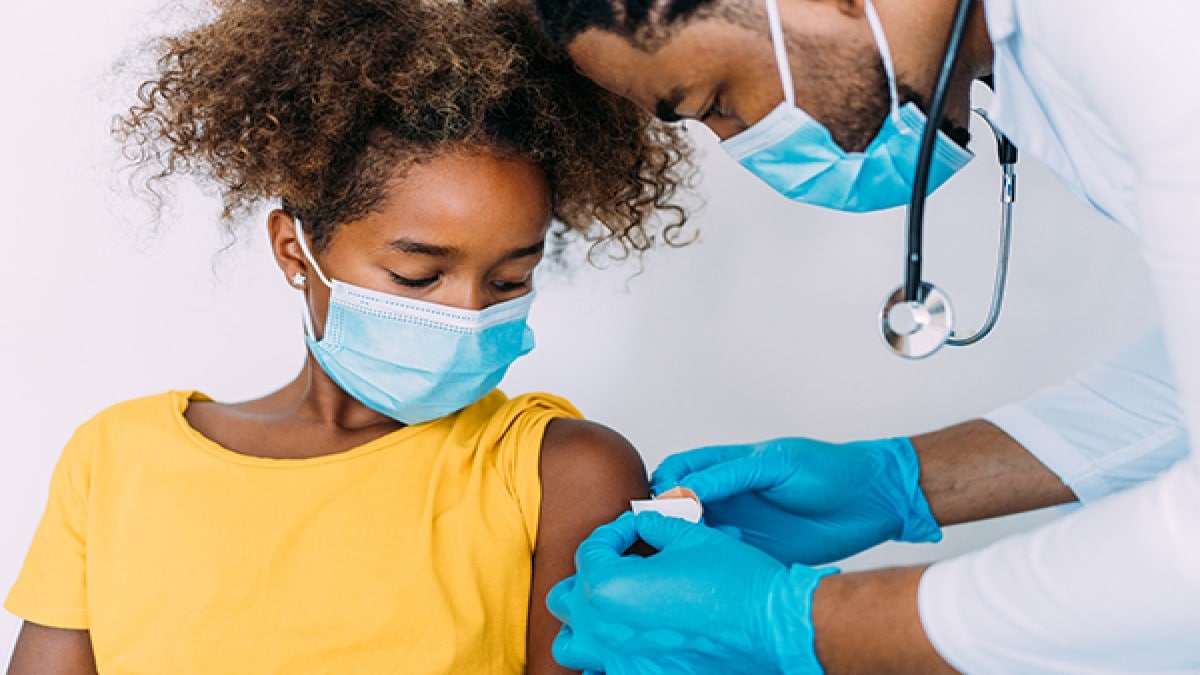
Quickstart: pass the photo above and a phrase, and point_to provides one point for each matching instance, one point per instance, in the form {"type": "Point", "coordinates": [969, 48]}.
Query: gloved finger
{"type": "Point", "coordinates": [674, 468]}
{"type": "Point", "coordinates": [730, 530]}
{"type": "Point", "coordinates": [556, 599]}
{"type": "Point", "coordinates": [607, 542]}
{"type": "Point", "coordinates": [571, 653]}
{"type": "Point", "coordinates": [662, 532]}
{"type": "Point", "coordinates": [729, 479]}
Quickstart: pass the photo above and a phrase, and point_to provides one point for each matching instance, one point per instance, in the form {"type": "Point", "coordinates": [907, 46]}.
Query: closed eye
{"type": "Point", "coordinates": [509, 286]}
{"type": "Point", "coordinates": [413, 283]}
{"type": "Point", "coordinates": [713, 110]}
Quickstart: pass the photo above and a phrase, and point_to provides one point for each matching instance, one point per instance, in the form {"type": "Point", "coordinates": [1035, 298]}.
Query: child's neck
{"type": "Point", "coordinates": [309, 417]}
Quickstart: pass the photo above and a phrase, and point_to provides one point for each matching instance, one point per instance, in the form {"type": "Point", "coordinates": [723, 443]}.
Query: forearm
{"type": "Point", "coordinates": [969, 472]}
{"type": "Point", "coordinates": [867, 622]}
{"type": "Point", "coordinates": [973, 471]}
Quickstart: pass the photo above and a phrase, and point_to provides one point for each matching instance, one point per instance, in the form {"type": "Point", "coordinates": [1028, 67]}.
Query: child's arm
{"type": "Point", "coordinates": [589, 473]}
{"type": "Point", "coordinates": [41, 649]}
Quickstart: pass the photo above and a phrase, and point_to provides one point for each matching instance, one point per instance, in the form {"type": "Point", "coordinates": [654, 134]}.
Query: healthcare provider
{"type": "Point", "coordinates": [1102, 91]}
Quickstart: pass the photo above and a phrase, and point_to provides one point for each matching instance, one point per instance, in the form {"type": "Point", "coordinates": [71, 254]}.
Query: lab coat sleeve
{"type": "Point", "coordinates": [1112, 426]}
{"type": "Point", "coordinates": [1113, 587]}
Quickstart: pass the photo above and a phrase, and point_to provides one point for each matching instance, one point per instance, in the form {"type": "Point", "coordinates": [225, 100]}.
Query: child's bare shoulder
{"type": "Point", "coordinates": [588, 449]}
{"type": "Point", "coordinates": [590, 467]}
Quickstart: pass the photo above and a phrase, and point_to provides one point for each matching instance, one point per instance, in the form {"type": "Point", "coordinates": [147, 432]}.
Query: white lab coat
{"type": "Point", "coordinates": [1106, 93]}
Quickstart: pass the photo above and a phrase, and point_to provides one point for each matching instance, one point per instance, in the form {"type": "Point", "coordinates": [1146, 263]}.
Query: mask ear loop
{"type": "Point", "coordinates": [781, 55]}
{"type": "Point", "coordinates": [303, 241]}
{"type": "Point", "coordinates": [885, 53]}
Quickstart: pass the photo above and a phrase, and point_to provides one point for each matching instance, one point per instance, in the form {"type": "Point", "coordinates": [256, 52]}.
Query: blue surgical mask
{"type": "Point", "coordinates": [796, 155]}
{"type": "Point", "coordinates": [411, 360]}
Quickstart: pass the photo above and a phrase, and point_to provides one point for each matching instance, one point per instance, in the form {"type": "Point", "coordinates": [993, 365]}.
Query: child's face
{"type": "Point", "coordinates": [463, 230]}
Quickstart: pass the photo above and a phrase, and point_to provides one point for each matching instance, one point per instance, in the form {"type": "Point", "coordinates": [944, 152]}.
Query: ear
{"type": "Point", "coordinates": [851, 8]}
{"type": "Point", "coordinates": [281, 228]}
{"type": "Point", "coordinates": [822, 17]}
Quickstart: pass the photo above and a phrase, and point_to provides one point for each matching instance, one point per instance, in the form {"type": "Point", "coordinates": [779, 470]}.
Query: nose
{"type": "Point", "coordinates": [464, 295]}
{"type": "Point", "coordinates": [725, 128]}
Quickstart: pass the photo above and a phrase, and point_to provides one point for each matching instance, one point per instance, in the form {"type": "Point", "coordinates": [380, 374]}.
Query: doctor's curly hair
{"type": "Point", "coordinates": [318, 102]}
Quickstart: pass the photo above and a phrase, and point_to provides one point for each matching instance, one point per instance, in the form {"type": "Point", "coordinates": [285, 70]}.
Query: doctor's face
{"type": "Point", "coordinates": [724, 74]}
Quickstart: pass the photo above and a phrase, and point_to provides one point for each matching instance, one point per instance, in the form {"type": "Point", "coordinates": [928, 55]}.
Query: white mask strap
{"type": "Point", "coordinates": [885, 52]}
{"type": "Point", "coordinates": [307, 253]}
{"type": "Point", "coordinates": [308, 322]}
{"type": "Point", "coordinates": [781, 55]}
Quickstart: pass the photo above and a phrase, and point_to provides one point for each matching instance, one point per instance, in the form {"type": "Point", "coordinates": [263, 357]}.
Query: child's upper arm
{"type": "Point", "coordinates": [589, 473]}
{"type": "Point", "coordinates": [41, 649]}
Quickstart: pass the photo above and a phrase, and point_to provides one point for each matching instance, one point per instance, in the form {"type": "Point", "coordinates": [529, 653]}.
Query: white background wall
{"type": "Point", "coordinates": [765, 327]}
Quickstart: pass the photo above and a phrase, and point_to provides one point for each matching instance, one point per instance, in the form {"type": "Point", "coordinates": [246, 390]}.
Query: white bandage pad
{"type": "Point", "coordinates": [679, 507]}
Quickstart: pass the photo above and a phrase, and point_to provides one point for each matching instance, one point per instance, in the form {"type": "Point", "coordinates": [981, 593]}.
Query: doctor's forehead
{"type": "Point", "coordinates": [698, 56]}
{"type": "Point", "coordinates": [614, 41]}
{"type": "Point", "coordinates": [645, 23]}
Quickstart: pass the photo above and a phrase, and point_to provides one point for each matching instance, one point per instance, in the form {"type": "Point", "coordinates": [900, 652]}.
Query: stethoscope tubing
{"type": "Point", "coordinates": [935, 114]}
{"type": "Point", "coordinates": [1008, 196]}
{"type": "Point", "coordinates": [918, 318]}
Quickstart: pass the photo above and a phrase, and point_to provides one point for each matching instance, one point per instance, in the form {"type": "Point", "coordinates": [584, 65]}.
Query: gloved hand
{"type": "Point", "coordinates": [805, 501]}
{"type": "Point", "coordinates": [706, 603]}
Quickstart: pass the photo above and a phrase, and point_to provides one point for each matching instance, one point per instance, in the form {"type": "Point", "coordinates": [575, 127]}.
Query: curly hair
{"type": "Point", "coordinates": [647, 25]}
{"type": "Point", "coordinates": [318, 103]}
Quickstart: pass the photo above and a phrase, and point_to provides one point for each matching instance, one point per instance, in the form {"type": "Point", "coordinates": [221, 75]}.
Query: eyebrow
{"type": "Point", "coordinates": [665, 108]}
{"type": "Point", "coordinates": [421, 248]}
{"type": "Point", "coordinates": [527, 251]}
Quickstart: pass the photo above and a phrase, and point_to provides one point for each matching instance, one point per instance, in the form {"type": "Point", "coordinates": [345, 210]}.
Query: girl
{"type": "Point", "coordinates": [388, 510]}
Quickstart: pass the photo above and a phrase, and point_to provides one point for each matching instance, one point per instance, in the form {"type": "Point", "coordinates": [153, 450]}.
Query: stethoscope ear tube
{"type": "Point", "coordinates": [917, 319]}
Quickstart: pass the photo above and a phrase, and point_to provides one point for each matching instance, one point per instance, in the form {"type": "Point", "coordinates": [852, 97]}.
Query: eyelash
{"type": "Point", "coordinates": [502, 286]}
{"type": "Point", "coordinates": [412, 283]}
{"type": "Point", "coordinates": [509, 286]}
{"type": "Point", "coordinates": [714, 109]}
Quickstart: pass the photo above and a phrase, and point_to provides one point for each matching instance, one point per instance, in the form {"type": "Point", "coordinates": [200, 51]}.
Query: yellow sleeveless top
{"type": "Point", "coordinates": [410, 554]}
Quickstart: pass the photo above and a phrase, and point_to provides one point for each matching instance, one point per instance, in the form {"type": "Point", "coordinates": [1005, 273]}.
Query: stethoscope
{"type": "Point", "coordinates": [917, 319]}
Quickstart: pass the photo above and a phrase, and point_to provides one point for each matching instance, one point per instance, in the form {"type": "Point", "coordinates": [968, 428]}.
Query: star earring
{"type": "Point", "coordinates": [299, 280]}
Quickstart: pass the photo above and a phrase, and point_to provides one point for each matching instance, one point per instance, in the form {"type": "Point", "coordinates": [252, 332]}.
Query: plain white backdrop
{"type": "Point", "coordinates": [764, 327]}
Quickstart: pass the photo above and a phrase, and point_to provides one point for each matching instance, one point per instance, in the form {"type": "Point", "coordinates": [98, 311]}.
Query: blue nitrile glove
{"type": "Point", "coordinates": [805, 501]}
{"type": "Point", "coordinates": [706, 603]}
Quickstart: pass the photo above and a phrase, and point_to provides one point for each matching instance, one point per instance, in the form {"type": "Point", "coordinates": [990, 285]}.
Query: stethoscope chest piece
{"type": "Point", "coordinates": [916, 329]}
{"type": "Point", "coordinates": [918, 319]}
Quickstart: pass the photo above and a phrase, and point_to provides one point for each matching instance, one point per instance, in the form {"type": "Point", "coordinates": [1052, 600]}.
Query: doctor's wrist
{"type": "Point", "coordinates": [900, 469]}
{"type": "Point", "coordinates": [789, 621]}
{"type": "Point", "coordinates": [881, 604]}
